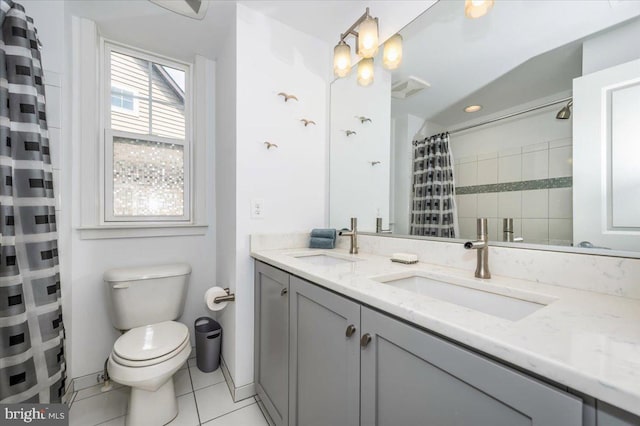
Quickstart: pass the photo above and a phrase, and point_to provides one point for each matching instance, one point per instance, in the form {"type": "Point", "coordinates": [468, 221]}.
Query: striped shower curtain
{"type": "Point", "coordinates": [32, 362]}
{"type": "Point", "coordinates": [433, 207]}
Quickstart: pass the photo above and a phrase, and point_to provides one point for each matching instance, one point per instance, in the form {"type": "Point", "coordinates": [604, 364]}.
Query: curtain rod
{"type": "Point", "coordinates": [513, 114]}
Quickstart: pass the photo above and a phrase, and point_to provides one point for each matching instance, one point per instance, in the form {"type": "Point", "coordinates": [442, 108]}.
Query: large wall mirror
{"type": "Point", "coordinates": [528, 116]}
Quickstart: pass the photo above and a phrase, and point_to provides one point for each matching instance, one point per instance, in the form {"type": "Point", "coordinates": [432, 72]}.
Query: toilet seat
{"type": "Point", "coordinates": [151, 344]}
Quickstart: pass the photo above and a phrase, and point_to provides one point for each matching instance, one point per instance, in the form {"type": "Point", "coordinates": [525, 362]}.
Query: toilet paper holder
{"type": "Point", "coordinates": [230, 297]}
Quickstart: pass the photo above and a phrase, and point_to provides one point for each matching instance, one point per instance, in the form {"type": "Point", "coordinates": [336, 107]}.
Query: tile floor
{"type": "Point", "coordinates": [203, 399]}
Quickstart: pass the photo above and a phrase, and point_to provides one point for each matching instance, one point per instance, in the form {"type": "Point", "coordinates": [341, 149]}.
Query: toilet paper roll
{"type": "Point", "coordinates": [211, 294]}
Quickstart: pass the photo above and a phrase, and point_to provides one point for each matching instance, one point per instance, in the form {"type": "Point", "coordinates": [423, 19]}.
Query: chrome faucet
{"type": "Point", "coordinates": [482, 246]}
{"type": "Point", "coordinates": [379, 229]}
{"type": "Point", "coordinates": [507, 231]}
{"type": "Point", "coordinates": [353, 233]}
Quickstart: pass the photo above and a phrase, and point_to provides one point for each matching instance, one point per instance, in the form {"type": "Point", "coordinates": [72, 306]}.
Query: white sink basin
{"type": "Point", "coordinates": [512, 307]}
{"type": "Point", "coordinates": [323, 259]}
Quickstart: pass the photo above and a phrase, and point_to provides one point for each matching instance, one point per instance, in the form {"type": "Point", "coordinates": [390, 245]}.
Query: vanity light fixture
{"type": "Point", "coordinates": [366, 47]}
{"type": "Point", "coordinates": [474, 9]}
{"type": "Point", "coordinates": [341, 59]}
{"type": "Point", "coordinates": [472, 108]}
{"type": "Point", "coordinates": [365, 71]}
{"type": "Point", "coordinates": [392, 54]}
{"type": "Point", "coordinates": [368, 36]}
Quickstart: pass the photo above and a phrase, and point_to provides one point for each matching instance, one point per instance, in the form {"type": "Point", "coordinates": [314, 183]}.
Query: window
{"type": "Point", "coordinates": [123, 100]}
{"type": "Point", "coordinates": [147, 156]}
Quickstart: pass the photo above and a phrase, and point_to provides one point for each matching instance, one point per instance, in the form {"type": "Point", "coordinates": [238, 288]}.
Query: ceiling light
{"type": "Point", "coordinates": [477, 8]}
{"type": "Point", "coordinates": [472, 108]}
{"type": "Point", "coordinates": [366, 47]}
{"type": "Point", "coordinates": [365, 71]}
{"type": "Point", "coordinates": [392, 55]}
{"type": "Point", "coordinates": [341, 59]}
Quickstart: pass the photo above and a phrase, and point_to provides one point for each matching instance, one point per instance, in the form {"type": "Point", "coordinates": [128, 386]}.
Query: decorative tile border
{"type": "Point", "coordinates": [561, 182]}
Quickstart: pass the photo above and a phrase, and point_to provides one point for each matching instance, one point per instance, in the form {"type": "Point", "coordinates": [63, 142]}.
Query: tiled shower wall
{"type": "Point", "coordinates": [531, 184]}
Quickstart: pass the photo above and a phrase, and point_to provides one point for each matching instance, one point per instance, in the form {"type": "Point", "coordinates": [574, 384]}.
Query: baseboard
{"type": "Point", "coordinates": [69, 393]}
{"type": "Point", "coordinates": [238, 394]}
{"type": "Point", "coordinates": [87, 381]}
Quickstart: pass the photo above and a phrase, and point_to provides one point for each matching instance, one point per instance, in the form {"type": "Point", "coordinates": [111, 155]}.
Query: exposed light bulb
{"type": "Point", "coordinates": [477, 8]}
{"type": "Point", "coordinates": [392, 55]}
{"type": "Point", "coordinates": [365, 72]}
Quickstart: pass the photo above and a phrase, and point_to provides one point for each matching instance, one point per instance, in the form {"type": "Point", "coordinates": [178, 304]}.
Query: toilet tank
{"type": "Point", "coordinates": [146, 295]}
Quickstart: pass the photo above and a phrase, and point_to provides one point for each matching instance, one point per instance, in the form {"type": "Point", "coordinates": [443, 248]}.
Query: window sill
{"type": "Point", "coordinates": [139, 231]}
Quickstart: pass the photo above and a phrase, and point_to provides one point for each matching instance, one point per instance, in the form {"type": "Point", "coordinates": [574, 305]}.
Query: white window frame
{"type": "Point", "coordinates": [136, 103]}
{"type": "Point", "coordinates": [106, 161]}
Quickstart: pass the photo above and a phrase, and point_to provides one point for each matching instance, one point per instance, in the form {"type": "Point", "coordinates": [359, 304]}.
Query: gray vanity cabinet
{"type": "Point", "coordinates": [608, 415]}
{"type": "Point", "coordinates": [410, 377]}
{"type": "Point", "coordinates": [325, 360]}
{"type": "Point", "coordinates": [324, 357]}
{"type": "Point", "coordinates": [272, 340]}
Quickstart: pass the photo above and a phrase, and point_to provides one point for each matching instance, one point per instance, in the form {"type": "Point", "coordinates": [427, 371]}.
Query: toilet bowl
{"type": "Point", "coordinates": [144, 303]}
{"type": "Point", "coordinates": [146, 358]}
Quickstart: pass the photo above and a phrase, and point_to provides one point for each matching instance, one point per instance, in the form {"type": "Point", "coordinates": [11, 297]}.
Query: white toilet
{"type": "Point", "coordinates": [144, 302]}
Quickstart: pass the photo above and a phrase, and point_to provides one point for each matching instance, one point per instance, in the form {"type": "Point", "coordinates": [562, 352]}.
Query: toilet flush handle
{"type": "Point", "coordinates": [123, 285]}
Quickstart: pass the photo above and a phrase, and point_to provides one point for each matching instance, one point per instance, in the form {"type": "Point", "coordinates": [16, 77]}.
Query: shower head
{"type": "Point", "coordinates": [565, 112]}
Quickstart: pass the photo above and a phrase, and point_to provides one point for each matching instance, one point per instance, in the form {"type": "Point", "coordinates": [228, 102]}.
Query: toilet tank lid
{"type": "Point", "coordinates": [146, 272]}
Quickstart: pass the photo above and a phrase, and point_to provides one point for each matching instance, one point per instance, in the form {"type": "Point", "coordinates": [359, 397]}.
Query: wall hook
{"type": "Point", "coordinates": [270, 145]}
{"type": "Point", "coordinates": [373, 163]}
{"type": "Point", "coordinates": [287, 96]}
{"type": "Point", "coordinates": [349, 132]}
{"type": "Point", "coordinates": [307, 122]}
{"type": "Point", "coordinates": [363, 119]}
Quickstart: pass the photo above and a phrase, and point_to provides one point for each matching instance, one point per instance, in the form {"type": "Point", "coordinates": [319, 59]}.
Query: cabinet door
{"type": "Point", "coordinates": [272, 340]}
{"type": "Point", "coordinates": [609, 415]}
{"type": "Point", "coordinates": [324, 374]}
{"type": "Point", "coordinates": [410, 377]}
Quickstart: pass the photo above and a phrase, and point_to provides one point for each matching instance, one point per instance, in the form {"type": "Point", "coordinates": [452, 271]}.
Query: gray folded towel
{"type": "Point", "coordinates": [322, 243]}
{"type": "Point", "coordinates": [323, 233]}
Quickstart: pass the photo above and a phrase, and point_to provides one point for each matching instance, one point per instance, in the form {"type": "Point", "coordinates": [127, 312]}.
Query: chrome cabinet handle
{"type": "Point", "coordinates": [283, 292]}
{"type": "Point", "coordinates": [364, 341]}
{"type": "Point", "coordinates": [350, 330]}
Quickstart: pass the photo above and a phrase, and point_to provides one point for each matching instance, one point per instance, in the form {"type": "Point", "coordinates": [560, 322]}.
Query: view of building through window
{"type": "Point", "coordinates": [147, 99]}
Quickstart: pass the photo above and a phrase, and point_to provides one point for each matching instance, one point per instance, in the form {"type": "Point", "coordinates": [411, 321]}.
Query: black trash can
{"type": "Point", "coordinates": [208, 338]}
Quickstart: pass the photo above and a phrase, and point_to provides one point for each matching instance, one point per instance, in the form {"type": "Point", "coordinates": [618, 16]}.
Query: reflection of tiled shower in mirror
{"type": "Point", "coordinates": [521, 169]}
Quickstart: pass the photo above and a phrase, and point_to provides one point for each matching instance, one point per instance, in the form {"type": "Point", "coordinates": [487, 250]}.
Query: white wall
{"type": "Point", "coordinates": [613, 47]}
{"type": "Point", "coordinates": [225, 169]}
{"type": "Point", "coordinates": [270, 58]}
{"type": "Point", "coordinates": [90, 333]}
{"type": "Point", "coordinates": [358, 188]}
{"type": "Point", "coordinates": [404, 129]}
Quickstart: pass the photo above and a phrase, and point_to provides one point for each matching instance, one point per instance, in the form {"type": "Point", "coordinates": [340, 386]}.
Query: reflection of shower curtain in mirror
{"type": "Point", "coordinates": [433, 208]}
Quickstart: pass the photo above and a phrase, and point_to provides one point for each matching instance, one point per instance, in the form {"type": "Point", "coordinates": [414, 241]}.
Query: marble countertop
{"type": "Point", "coordinates": [587, 341]}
